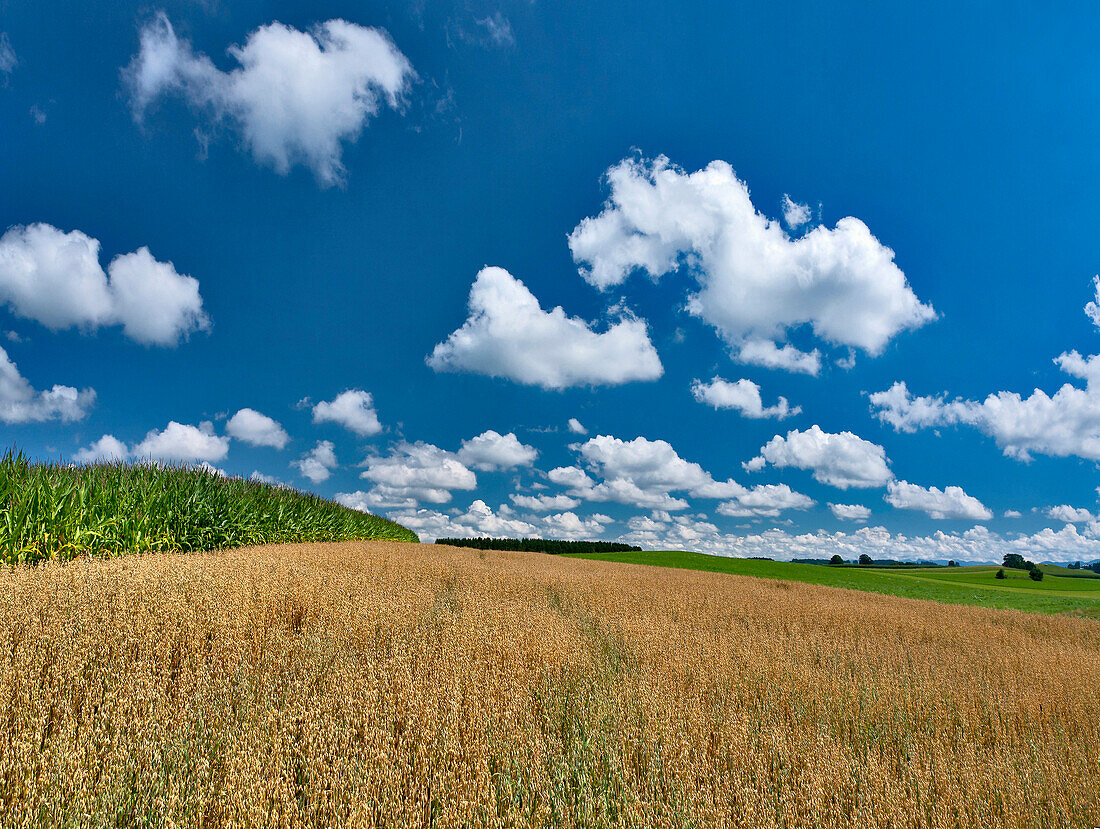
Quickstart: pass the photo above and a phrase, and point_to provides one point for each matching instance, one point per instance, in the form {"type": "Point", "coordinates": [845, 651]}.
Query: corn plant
{"type": "Point", "coordinates": [58, 512]}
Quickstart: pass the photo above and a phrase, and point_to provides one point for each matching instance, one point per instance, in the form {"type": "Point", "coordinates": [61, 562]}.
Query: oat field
{"type": "Point", "coordinates": [389, 684]}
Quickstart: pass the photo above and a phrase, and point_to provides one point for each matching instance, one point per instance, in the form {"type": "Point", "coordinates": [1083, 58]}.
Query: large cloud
{"type": "Point", "coordinates": [755, 281]}
{"type": "Point", "coordinates": [742, 395]}
{"type": "Point", "coordinates": [352, 409]}
{"type": "Point", "coordinates": [257, 429]}
{"type": "Point", "coordinates": [950, 502]}
{"type": "Point", "coordinates": [20, 402]}
{"type": "Point", "coordinates": [842, 460]}
{"type": "Point", "coordinates": [55, 278]}
{"type": "Point", "coordinates": [491, 451]}
{"type": "Point", "coordinates": [509, 335]}
{"type": "Point", "coordinates": [419, 472]}
{"type": "Point", "coordinates": [295, 98]}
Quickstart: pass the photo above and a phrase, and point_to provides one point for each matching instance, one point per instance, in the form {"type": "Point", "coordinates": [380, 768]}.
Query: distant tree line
{"type": "Point", "coordinates": [540, 545]}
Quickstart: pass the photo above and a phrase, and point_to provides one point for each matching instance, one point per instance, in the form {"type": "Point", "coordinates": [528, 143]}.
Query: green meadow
{"type": "Point", "coordinates": [976, 585]}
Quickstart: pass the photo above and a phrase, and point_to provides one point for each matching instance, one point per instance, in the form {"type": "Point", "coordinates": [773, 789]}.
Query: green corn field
{"type": "Point", "coordinates": [57, 512]}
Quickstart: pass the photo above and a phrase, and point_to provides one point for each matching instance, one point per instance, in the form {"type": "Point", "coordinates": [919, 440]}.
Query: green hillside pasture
{"type": "Point", "coordinates": [955, 585]}
{"type": "Point", "coordinates": [58, 512]}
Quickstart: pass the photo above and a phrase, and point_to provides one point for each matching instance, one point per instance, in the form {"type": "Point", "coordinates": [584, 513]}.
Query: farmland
{"type": "Point", "coordinates": [976, 585]}
{"type": "Point", "coordinates": [377, 683]}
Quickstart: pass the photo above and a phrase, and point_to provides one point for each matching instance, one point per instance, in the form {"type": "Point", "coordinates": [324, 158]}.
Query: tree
{"type": "Point", "coordinates": [1015, 561]}
{"type": "Point", "coordinates": [1036, 574]}
{"type": "Point", "coordinates": [1001, 574]}
{"type": "Point", "coordinates": [836, 559]}
{"type": "Point", "coordinates": [952, 563]}
{"type": "Point", "coordinates": [865, 559]}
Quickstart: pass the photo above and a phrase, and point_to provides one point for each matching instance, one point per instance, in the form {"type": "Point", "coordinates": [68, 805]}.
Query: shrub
{"type": "Point", "coordinates": [1001, 574]}
{"type": "Point", "coordinates": [1035, 574]}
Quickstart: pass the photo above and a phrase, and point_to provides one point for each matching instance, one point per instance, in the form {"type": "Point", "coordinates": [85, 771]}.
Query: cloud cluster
{"type": "Point", "coordinates": [755, 281]}
{"type": "Point", "coordinates": [20, 402]}
{"type": "Point", "coordinates": [509, 335]}
{"type": "Point", "coordinates": [352, 409]}
{"type": "Point", "coordinates": [294, 98]}
{"type": "Point", "coordinates": [175, 443]}
{"type": "Point", "coordinates": [544, 503]}
{"type": "Point", "coordinates": [645, 473]}
{"type": "Point", "coordinates": [417, 472]}
{"type": "Point", "coordinates": [842, 459]}
{"type": "Point", "coordinates": [56, 279]}
{"type": "Point", "coordinates": [977, 544]}
{"type": "Point", "coordinates": [1066, 423]}
{"type": "Point", "coordinates": [744, 396]}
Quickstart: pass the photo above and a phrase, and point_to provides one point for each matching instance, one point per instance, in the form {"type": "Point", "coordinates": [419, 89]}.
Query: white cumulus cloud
{"type": "Point", "coordinates": [1066, 423]}
{"type": "Point", "coordinates": [1071, 515]}
{"type": "Point", "coordinates": [56, 279]}
{"type": "Point", "coordinates": [850, 512]}
{"type": "Point", "coordinates": [509, 335]}
{"type": "Point", "coordinates": [576, 427]}
{"type": "Point", "coordinates": [418, 471]}
{"type": "Point", "coordinates": [352, 409]}
{"type": "Point", "coordinates": [182, 443]}
{"type": "Point", "coordinates": [755, 281]}
{"type": "Point", "coordinates": [491, 451]}
{"type": "Point", "coordinates": [758, 352]}
{"type": "Point", "coordinates": [20, 402]}
{"type": "Point", "coordinates": [257, 429]}
{"type": "Point", "coordinates": [766, 500]}
{"type": "Point", "coordinates": [742, 395]}
{"type": "Point", "coordinates": [842, 459]}
{"type": "Point", "coordinates": [317, 464]}
{"type": "Point", "coordinates": [107, 448]}
{"type": "Point", "coordinates": [294, 98]}
{"type": "Point", "coordinates": [950, 502]}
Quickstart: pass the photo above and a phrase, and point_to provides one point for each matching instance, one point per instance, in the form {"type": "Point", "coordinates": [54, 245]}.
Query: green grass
{"type": "Point", "coordinates": [952, 585]}
{"type": "Point", "coordinates": [57, 512]}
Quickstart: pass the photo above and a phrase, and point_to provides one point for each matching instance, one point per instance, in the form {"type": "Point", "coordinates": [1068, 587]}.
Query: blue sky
{"type": "Point", "coordinates": [412, 241]}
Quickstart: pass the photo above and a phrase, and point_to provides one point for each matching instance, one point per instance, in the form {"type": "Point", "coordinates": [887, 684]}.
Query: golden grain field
{"type": "Point", "coordinates": [386, 684]}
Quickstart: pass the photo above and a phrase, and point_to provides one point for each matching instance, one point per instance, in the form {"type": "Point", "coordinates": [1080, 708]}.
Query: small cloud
{"type": "Point", "coordinates": [795, 215]}
{"type": "Point", "coordinates": [8, 61]}
{"type": "Point", "coordinates": [576, 427]}
{"type": "Point", "coordinates": [38, 114]}
{"type": "Point", "coordinates": [497, 30]}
